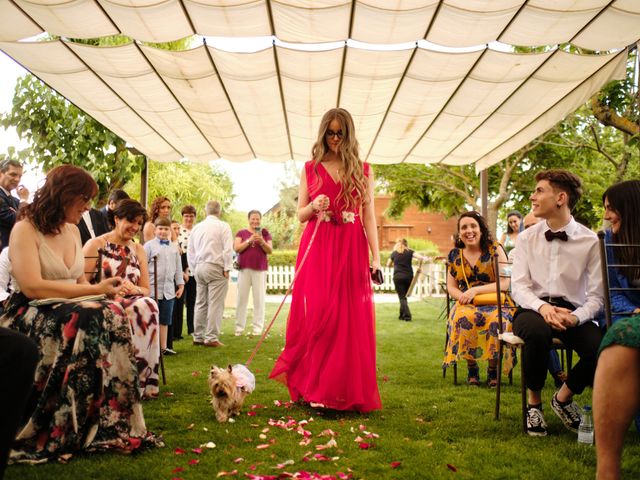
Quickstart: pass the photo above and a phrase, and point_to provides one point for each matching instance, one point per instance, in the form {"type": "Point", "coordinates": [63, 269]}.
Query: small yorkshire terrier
{"type": "Point", "coordinates": [229, 387]}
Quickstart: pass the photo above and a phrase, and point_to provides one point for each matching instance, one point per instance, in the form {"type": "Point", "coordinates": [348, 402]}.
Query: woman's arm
{"type": "Point", "coordinates": [90, 252]}
{"type": "Point", "coordinates": [23, 252]}
{"type": "Point", "coordinates": [266, 246]}
{"type": "Point", "coordinates": [240, 245]}
{"type": "Point", "coordinates": [307, 208]}
{"type": "Point", "coordinates": [369, 221]}
{"type": "Point", "coordinates": [148, 232]}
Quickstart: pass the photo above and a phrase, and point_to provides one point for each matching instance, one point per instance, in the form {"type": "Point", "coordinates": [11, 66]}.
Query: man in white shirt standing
{"type": "Point", "coordinates": [557, 282]}
{"type": "Point", "coordinates": [209, 256]}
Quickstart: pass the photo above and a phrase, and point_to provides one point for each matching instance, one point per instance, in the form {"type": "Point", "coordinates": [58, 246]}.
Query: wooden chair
{"type": "Point", "coordinates": [606, 277]}
{"type": "Point", "coordinates": [97, 271]}
{"type": "Point", "coordinates": [447, 309]}
{"type": "Point", "coordinates": [510, 340]}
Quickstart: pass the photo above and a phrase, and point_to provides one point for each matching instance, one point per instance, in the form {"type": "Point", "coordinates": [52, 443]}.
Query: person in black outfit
{"type": "Point", "coordinates": [112, 202]}
{"type": "Point", "coordinates": [401, 258]}
{"type": "Point", "coordinates": [18, 359]}
{"type": "Point", "coordinates": [92, 225]}
{"type": "Point", "coordinates": [10, 176]}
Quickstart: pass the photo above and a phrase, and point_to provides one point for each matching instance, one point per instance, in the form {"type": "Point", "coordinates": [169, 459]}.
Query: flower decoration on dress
{"type": "Point", "coordinates": [327, 216]}
{"type": "Point", "coordinates": [348, 217]}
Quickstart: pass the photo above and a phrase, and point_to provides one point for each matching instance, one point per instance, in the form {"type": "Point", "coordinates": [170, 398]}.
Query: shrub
{"type": "Point", "coordinates": [283, 258]}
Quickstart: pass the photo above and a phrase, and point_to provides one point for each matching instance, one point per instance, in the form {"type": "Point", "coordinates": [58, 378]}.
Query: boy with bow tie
{"type": "Point", "coordinates": [169, 275]}
{"type": "Point", "coordinates": [557, 282]}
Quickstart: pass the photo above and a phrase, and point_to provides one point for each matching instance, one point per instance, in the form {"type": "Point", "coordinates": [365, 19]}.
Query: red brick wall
{"type": "Point", "coordinates": [414, 224]}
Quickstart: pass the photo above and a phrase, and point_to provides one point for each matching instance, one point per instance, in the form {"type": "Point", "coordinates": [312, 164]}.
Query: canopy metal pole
{"type": "Point", "coordinates": [484, 192]}
{"type": "Point", "coordinates": [144, 182]}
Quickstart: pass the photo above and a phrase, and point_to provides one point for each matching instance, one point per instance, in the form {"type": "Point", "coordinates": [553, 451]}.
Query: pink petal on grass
{"type": "Point", "coordinates": [365, 445]}
{"type": "Point", "coordinates": [190, 426]}
{"type": "Point", "coordinates": [386, 379]}
{"type": "Point", "coordinates": [255, 407]}
{"type": "Point", "coordinates": [227, 474]}
{"type": "Point", "coordinates": [177, 470]}
{"type": "Point", "coordinates": [179, 451]}
{"type": "Point", "coordinates": [197, 450]}
{"type": "Point", "coordinates": [395, 464]}
{"type": "Point", "coordinates": [262, 446]}
{"type": "Point", "coordinates": [362, 427]}
{"type": "Point", "coordinates": [168, 394]}
{"type": "Point", "coordinates": [253, 413]}
{"type": "Point", "coordinates": [321, 458]}
{"type": "Point", "coordinates": [240, 459]}
{"type": "Point", "coordinates": [194, 461]}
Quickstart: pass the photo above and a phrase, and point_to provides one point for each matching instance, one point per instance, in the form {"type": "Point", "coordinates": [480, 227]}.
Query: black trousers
{"type": "Point", "coordinates": [19, 356]}
{"type": "Point", "coordinates": [176, 320]}
{"type": "Point", "coordinates": [537, 334]}
{"type": "Point", "coordinates": [402, 288]}
{"type": "Point", "coordinates": [189, 299]}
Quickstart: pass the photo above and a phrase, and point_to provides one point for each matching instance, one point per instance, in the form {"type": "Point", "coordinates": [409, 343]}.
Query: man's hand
{"type": "Point", "coordinates": [23, 193]}
{"type": "Point", "coordinates": [179, 291]}
{"type": "Point", "coordinates": [226, 274]}
{"type": "Point", "coordinates": [553, 318]}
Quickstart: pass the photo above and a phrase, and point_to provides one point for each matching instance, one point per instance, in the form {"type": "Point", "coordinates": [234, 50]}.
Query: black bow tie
{"type": "Point", "coordinates": [561, 235]}
{"type": "Point", "coordinates": [164, 242]}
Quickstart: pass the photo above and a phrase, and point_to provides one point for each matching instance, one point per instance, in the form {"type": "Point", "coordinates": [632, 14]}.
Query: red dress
{"type": "Point", "coordinates": [330, 351]}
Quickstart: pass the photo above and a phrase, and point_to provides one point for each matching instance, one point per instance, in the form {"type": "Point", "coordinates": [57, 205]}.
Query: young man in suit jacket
{"type": "Point", "coordinates": [10, 176]}
{"type": "Point", "coordinates": [92, 225]}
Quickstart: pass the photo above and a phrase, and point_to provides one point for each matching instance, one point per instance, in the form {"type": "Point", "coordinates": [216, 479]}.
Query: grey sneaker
{"type": "Point", "coordinates": [569, 414]}
{"type": "Point", "coordinates": [536, 426]}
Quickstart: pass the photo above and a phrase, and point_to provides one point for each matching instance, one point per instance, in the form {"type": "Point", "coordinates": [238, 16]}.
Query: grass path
{"type": "Point", "coordinates": [431, 427]}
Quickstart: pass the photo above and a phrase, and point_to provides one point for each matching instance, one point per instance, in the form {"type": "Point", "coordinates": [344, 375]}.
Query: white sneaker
{"type": "Point", "coordinates": [239, 333]}
{"type": "Point", "coordinates": [536, 426]}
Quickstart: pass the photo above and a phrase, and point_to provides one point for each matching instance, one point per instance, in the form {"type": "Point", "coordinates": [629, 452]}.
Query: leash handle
{"type": "Point", "coordinates": [304, 258]}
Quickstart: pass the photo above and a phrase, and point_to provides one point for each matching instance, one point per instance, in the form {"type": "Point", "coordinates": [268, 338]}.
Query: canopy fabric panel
{"type": "Point", "coordinates": [455, 100]}
{"type": "Point", "coordinates": [592, 24]}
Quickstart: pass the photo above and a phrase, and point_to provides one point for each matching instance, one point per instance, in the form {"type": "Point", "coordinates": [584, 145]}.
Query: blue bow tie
{"type": "Point", "coordinates": [164, 242]}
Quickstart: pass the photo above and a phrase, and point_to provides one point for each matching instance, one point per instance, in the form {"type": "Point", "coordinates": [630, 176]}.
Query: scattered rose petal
{"type": "Point", "coordinates": [280, 466]}
{"type": "Point", "coordinates": [177, 469]}
{"type": "Point", "coordinates": [179, 451]}
{"type": "Point", "coordinates": [170, 394]}
{"type": "Point", "coordinates": [365, 445]}
{"type": "Point", "coordinates": [262, 436]}
{"type": "Point", "coordinates": [321, 458]}
{"type": "Point", "coordinates": [199, 450]}
{"type": "Point", "coordinates": [362, 427]}
{"type": "Point", "coordinates": [265, 429]}
{"type": "Point", "coordinates": [190, 426]}
{"type": "Point", "coordinates": [196, 373]}
{"type": "Point", "coordinates": [206, 429]}
{"type": "Point", "coordinates": [208, 445]}
{"type": "Point", "coordinates": [386, 379]}
{"type": "Point", "coordinates": [194, 461]}
{"type": "Point", "coordinates": [452, 467]}
{"type": "Point", "coordinates": [397, 464]}
{"type": "Point", "coordinates": [253, 413]}
{"type": "Point", "coordinates": [233, 420]}
{"type": "Point", "coordinates": [330, 444]}
{"type": "Point", "coordinates": [240, 459]}
{"type": "Point", "coordinates": [262, 446]}
{"type": "Point", "coordinates": [304, 441]}
{"type": "Point", "coordinates": [255, 407]}
{"type": "Point", "coordinates": [176, 478]}
{"type": "Point", "coordinates": [359, 438]}
{"type": "Point", "coordinates": [247, 440]}
{"type": "Point", "coordinates": [227, 474]}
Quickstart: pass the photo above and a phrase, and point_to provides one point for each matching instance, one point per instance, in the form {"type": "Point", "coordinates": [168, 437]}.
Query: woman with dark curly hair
{"type": "Point", "coordinates": [160, 207]}
{"type": "Point", "coordinates": [86, 383]}
{"type": "Point", "coordinates": [473, 329]}
{"type": "Point", "coordinates": [123, 258]}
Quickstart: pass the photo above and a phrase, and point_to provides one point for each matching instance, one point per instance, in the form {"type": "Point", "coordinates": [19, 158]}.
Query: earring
{"type": "Point", "coordinates": [558, 205]}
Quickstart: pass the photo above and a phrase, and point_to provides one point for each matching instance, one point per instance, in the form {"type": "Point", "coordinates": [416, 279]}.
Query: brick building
{"type": "Point", "coordinates": [415, 224]}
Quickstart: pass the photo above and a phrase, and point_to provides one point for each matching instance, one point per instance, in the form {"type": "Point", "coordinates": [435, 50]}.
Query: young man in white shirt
{"type": "Point", "coordinates": [557, 283]}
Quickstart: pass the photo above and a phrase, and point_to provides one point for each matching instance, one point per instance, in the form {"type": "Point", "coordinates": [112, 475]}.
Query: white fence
{"type": "Point", "coordinates": [429, 282]}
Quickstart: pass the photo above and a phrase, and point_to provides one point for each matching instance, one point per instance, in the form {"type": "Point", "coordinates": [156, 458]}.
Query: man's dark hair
{"type": "Point", "coordinates": [565, 181]}
{"type": "Point", "coordinates": [117, 195]}
{"type": "Point", "coordinates": [5, 164]}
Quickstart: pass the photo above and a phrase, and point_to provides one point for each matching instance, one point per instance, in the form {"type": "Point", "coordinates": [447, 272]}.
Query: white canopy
{"type": "Point", "coordinates": [447, 97]}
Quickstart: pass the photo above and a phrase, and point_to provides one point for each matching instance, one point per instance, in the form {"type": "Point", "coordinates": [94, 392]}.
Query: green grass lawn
{"type": "Point", "coordinates": [433, 428]}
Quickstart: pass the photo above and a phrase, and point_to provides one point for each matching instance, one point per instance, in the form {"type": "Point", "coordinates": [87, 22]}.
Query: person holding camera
{"type": "Point", "coordinates": [252, 245]}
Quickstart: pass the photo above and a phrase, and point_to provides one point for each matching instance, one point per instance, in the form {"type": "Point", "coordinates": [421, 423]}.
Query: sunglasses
{"type": "Point", "coordinates": [331, 134]}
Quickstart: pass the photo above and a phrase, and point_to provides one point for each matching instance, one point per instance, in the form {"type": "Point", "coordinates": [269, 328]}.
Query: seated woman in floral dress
{"type": "Point", "coordinates": [123, 258]}
{"type": "Point", "coordinates": [473, 330]}
{"type": "Point", "coordinates": [86, 394]}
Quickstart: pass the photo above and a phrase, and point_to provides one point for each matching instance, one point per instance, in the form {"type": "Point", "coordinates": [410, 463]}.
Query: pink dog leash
{"type": "Point", "coordinates": [304, 258]}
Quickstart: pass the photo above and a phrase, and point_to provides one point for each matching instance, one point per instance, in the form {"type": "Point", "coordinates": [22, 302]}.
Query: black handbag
{"type": "Point", "coordinates": [376, 277]}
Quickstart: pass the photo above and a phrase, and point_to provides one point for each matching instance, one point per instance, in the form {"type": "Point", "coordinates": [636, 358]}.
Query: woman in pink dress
{"type": "Point", "coordinates": [329, 359]}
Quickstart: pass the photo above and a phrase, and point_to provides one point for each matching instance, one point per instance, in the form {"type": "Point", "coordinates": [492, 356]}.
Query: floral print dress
{"type": "Point", "coordinates": [142, 312]}
{"type": "Point", "coordinates": [86, 395]}
{"type": "Point", "coordinates": [473, 330]}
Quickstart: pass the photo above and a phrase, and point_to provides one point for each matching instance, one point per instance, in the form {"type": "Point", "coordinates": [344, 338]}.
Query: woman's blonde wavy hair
{"type": "Point", "coordinates": [353, 181]}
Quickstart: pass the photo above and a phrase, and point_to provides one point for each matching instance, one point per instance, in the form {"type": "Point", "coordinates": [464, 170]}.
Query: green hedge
{"type": "Point", "coordinates": [281, 258]}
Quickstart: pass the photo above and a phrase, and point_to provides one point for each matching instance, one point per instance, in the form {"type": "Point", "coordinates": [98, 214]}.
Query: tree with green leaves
{"type": "Point", "coordinates": [185, 183]}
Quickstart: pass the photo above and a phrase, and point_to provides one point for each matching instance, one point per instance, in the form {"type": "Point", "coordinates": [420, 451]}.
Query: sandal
{"type": "Point", "coordinates": [473, 375]}
{"type": "Point", "coordinates": [492, 377]}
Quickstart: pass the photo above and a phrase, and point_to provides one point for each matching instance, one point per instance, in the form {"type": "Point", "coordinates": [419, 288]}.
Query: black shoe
{"type": "Point", "coordinates": [178, 338]}
{"type": "Point", "coordinates": [569, 413]}
{"type": "Point", "coordinates": [536, 426]}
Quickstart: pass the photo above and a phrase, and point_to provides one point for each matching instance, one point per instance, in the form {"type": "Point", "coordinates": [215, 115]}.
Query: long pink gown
{"type": "Point", "coordinates": [330, 351]}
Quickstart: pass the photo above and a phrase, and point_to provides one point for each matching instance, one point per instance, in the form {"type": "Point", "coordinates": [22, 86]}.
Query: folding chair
{"type": "Point", "coordinates": [447, 308]}
{"type": "Point", "coordinates": [608, 262]}
{"type": "Point", "coordinates": [503, 270]}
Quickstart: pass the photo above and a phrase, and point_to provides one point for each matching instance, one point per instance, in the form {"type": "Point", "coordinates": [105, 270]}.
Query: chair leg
{"type": "Point", "coordinates": [523, 392]}
{"type": "Point", "coordinates": [164, 378]}
{"type": "Point", "coordinates": [499, 386]}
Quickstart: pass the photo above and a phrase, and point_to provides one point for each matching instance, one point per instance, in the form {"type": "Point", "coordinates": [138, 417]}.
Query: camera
{"type": "Point", "coordinates": [259, 230]}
